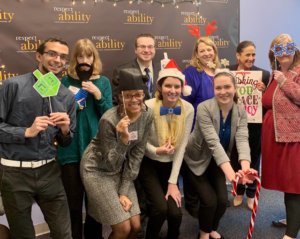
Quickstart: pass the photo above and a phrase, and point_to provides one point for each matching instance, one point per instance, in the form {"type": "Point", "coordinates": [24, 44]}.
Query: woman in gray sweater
{"type": "Point", "coordinates": [112, 160]}
{"type": "Point", "coordinates": [219, 122]}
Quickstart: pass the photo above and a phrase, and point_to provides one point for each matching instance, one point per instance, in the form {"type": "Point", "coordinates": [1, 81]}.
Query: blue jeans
{"type": "Point", "coordinates": [21, 187]}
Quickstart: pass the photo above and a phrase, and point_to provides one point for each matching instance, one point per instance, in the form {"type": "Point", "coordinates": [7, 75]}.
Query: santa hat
{"type": "Point", "coordinates": [172, 69]}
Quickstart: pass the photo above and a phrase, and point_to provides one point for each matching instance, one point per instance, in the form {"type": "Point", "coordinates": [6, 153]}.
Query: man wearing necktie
{"type": "Point", "coordinates": [145, 53]}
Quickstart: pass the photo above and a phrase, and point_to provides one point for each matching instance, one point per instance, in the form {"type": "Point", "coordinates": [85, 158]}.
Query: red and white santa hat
{"type": "Point", "coordinates": [172, 69]}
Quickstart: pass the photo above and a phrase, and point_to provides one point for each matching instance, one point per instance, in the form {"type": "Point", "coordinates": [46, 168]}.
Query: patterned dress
{"type": "Point", "coordinates": [108, 168]}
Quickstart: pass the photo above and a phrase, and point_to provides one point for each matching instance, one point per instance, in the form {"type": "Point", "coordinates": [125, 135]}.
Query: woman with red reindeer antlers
{"type": "Point", "coordinates": [165, 148]}
{"type": "Point", "coordinates": [281, 129]}
{"type": "Point", "coordinates": [199, 74]}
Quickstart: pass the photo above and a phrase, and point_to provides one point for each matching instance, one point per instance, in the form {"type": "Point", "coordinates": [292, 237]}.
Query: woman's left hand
{"type": "Point", "coordinates": [174, 192]}
{"type": "Point", "coordinates": [279, 77]}
{"type": "Point", "coordinates": [91, 88]}
{"type": "Point", "coordinates": [125, 202]}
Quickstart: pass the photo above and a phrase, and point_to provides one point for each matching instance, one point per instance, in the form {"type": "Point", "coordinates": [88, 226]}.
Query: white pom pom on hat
{"type": "Point", "coordinates": [172, 69]}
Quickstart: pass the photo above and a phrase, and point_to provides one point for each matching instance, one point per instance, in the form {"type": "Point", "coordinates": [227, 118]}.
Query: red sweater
{"type": "Point", "coordinates": [286, 108]}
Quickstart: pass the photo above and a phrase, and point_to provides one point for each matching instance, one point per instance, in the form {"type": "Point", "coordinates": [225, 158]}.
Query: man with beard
{"type": "Point", "coordinates": [145, 52]}
{"type": "Point", "coordinates": [30, 127]}
{"type": "Point", "coordinates": [93, 96]}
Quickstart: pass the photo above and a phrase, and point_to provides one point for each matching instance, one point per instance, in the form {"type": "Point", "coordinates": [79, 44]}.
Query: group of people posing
{"type": "Point", "coordinates": [122, 144]}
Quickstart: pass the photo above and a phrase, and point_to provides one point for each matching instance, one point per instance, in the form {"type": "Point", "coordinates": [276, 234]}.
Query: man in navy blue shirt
{"type": "Point", "coordinates": [30, 129]}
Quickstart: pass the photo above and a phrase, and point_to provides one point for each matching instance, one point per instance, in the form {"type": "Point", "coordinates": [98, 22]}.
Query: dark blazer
{"type": "Point", "coordinates": [133, 64]}
{"type": "Point", "coordinates": [265, 74]}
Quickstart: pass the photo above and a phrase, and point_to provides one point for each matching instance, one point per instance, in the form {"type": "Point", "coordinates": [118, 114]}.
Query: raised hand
{"type": "Point", "coordinates": [91, 88]}
{"type": "Point", "coordinates": [122, 129]}
{"type": "Point", "coordinates": [62, 121]}
{"type": "Point", "coordinates": [39, 124]}
{"type": "Point", "coordinates": [279, 77]}
{"type": "Point", "coordinates": [166, 148]}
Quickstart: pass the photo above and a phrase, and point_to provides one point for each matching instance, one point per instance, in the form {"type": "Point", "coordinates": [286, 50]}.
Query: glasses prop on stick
{"type": "Point", "coordinates": [47, 85]}
{"type": "Point", "coordinates": [278, 50]}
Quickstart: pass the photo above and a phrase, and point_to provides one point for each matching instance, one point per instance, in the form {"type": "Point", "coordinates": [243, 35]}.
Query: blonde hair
{"type": "Point", "coordinates": [170, 127]}
{"type": "Point", "coordinates": [278, 40]}
{"type": "Point", "coordinates": [195, 61]}
{"type": "Point", "coordinates": [85, 47]}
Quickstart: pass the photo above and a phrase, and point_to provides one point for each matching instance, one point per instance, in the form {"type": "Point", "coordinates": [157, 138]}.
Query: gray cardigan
{"type": "Point", "coordinates": [204, 142]}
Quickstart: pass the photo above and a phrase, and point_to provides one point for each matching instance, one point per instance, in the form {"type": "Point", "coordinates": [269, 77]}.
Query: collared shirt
{"type": "Point", "coordinates": [142, 67]}
{"type": "Point", "coordinates": [20, 104]}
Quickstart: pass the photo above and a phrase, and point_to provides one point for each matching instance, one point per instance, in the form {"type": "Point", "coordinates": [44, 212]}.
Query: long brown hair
{"type": "Point", "coordinates": [86, 47]}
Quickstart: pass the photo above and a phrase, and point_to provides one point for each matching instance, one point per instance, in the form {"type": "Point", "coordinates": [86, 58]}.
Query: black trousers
{"type": "Point", "coordinates": [255, 147]}
{"type": "Point", "coordinates": [211, 191]}
{"type": "Point", "coordinates": [75, 193]}
{"type": "Point", "coordinates": [21, 187]}
{"type": "Point", "coordinates": [292, 206]}
{"type": "Point", "coordinates": [154, 178]}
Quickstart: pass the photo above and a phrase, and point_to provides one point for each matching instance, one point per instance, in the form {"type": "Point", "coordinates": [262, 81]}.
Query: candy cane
{"type": "Point", "coordinates": [255, 204]}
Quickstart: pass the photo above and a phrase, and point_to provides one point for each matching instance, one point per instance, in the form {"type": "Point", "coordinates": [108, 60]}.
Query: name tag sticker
{"type": "Point", "coordinates": [133, 135]}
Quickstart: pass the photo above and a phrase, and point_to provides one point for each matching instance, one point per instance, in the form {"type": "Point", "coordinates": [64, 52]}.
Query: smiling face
{"type": "Point", "coordinates": [205, 53]}
{"type": "Point", "coordinates": [145, 50]}
{"type": "Point", "coordinates": [285, 60]}
{"type": "Point", "coordinates": [171, 89]}
{"type": "Point", "coordinates": [54, 57]}
{"type": "Point", "coordinates": [133, 101]}
{"type": "Point", "coordinates": [246, 58]}
{"type": "Point", "coordinates": [224, 89]}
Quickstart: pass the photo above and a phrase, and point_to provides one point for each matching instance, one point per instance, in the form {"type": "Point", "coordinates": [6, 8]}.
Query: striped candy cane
{"type": "Point", "coordinates": [256, 197]}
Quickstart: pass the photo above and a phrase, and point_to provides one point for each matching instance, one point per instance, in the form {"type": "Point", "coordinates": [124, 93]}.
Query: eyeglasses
{"type": "Point", "coordinates": [144, 47]}
{"type": "Point", "coordinates": [289, 49]}
{"type": "Point", "coordinates": [137, 96]}
{"type": "Point", "coordinates": [54, 54]}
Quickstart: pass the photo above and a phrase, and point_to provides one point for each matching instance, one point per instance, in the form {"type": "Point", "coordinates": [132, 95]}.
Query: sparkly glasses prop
{"type": "Point", "coordinates": [289, 49]}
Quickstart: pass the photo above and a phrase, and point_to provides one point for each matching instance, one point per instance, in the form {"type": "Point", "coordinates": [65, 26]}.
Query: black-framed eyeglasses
{"type": "Point", "coordinates": [137, 96]}
{"type": "Point", "coordinates": [54, 54]}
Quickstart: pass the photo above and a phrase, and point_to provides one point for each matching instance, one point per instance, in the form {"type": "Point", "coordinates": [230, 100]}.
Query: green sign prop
{"type": "Point", "coordinates": [47, 85]}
